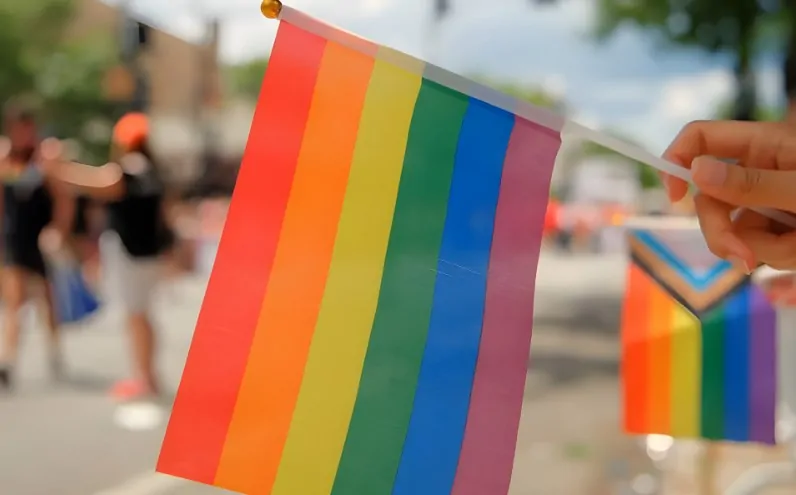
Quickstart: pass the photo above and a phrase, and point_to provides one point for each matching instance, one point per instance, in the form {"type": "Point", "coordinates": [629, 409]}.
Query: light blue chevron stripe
{"type": "Point", "coordinates": [699, 281]}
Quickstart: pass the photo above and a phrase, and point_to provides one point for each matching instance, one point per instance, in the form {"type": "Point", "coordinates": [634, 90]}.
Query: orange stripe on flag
{"type": "Point", "coordinates": [216, 362]}
{"type": "Point", "coordinates": [635, 314]}
{"type": "Point", "coordinates": [659, 375]}
{"type": "Point", "coordinates": [290, 308]}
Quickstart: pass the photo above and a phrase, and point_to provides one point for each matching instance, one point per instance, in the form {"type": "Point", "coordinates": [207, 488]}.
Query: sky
{"type": "Point", "coordinates": [630, 84]}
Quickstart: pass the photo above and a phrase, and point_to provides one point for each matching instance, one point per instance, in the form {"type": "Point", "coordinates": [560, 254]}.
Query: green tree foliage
{"type": "Point", "coordinates": [762, 114]}
{"type": "Point", "coordinates": [28, 31]}
{"type": "Point", "coordinates": [244, 80]}
{"type": "Point", "coordinates": [64, 76]}
{"type": "Point", "coordinates": [71, 90]}
{"type": "Point", "coordinates": [737, 27]}
{"type": "Point", "coordinates": [647, 176]}
{"type": "Point", "coordinates": [714, 25]}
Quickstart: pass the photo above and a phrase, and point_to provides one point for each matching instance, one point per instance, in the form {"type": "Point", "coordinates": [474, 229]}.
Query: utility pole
{"type": "Point", "coordinates": [207, 99]}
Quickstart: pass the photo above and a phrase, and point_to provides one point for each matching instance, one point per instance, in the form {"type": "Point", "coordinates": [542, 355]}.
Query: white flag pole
{"type": "Point", "coordinates": [658, 163]}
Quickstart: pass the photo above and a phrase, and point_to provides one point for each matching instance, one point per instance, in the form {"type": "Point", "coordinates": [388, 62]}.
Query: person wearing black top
{"type": "Point", "coordinates": [32, 203]}
{"type": "Point", "coordinates": [131, 248]}
{"type": "Point", "coordinates": [80, 226]}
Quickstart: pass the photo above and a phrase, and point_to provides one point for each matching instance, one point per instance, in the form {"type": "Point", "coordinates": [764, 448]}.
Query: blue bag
{"type": "Point", "coordinates": [74, 300]}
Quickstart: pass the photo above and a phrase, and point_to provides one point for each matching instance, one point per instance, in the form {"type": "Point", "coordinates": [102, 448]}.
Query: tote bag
{"type": "Point", "coordinates": [74, 300]}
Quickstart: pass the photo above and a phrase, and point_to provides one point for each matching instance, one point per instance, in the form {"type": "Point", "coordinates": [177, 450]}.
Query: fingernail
{"type": "Point", "coordinates": [739, 264]}
{"type": "Point", "coordinates": [709, 171]}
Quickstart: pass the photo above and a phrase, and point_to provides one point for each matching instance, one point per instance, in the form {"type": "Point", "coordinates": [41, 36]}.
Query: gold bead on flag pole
{"type": "Point", "coordinates": [271, 8]}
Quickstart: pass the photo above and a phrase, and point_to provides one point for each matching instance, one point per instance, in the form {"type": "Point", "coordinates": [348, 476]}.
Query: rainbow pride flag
{"type": "Point", "coordinates": [699, 343]}
{"type": "Point", "coordinates": [367, 324]}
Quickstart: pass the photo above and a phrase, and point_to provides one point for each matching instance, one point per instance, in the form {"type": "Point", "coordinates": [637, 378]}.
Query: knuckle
{"type": "Point", "coordinates": [749, 182]}
{"type": "Point", "coordinates": [700, 202]}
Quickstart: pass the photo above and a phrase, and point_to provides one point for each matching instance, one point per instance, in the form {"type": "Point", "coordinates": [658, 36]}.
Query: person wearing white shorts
{"type": "Point", "coordinates": [133, 246]}
{"type": "Point", "coordinates": [128, 280]}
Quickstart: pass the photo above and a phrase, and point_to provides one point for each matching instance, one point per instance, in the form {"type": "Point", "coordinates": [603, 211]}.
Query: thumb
{"type": "Point", "coordinates": [742, 186]}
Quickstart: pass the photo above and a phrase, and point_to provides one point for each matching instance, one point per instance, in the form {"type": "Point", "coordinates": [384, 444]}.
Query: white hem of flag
{"type": "Point", "coordinates": [528, 111]}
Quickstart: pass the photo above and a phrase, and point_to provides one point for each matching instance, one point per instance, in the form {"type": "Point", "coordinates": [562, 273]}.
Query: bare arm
{"type": "Point", "coordinates": [169, 208]}
{"type": "Point", "coordinates": [103, 183]}
{"type": "Point", "coordinates": [64, 207]}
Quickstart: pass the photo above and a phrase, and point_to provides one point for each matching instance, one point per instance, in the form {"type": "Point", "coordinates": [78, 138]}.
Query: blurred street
{"type": "Point", "coordinates": [168, 91]}
{"type": "Point", "coordinates": [72, 440]}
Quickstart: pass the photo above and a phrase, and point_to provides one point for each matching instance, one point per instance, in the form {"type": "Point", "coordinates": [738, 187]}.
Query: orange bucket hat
{"type": "Point", "coordinates": [131, 130]}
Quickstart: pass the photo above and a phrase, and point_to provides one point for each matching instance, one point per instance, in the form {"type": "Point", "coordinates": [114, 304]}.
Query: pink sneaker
{"type": "Point", "coordinates": [131, 389]}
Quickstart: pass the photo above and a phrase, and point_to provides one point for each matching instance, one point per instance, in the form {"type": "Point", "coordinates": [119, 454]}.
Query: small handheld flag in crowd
{"type": "Point", "coordinates": [699, 343]}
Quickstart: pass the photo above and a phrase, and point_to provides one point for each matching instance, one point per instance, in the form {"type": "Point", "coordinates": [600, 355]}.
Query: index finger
{"type": "Point", "coordinates": [717, 138]}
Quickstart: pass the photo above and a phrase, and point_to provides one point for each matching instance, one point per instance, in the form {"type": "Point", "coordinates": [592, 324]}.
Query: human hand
{"type": "Point", "coordinates": [764, 177]}
{"type": "Point", "coordinates": [51, 240]}
{"type": "Point", "coordinates": [51, 156]}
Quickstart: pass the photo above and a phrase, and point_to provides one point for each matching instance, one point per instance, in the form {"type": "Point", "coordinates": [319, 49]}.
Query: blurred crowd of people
{"type": "Point", "coordinates": [115, 215]}
{"type": "Point", "coordinates": [578, 227]}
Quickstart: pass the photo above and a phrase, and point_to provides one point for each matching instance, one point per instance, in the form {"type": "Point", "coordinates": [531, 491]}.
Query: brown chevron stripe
{"type": "Point", "coordinates": [679, 288]}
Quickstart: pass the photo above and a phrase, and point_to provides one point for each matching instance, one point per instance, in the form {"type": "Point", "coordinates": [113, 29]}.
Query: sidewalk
{"type": "Point", "coordinates": [71, 438]}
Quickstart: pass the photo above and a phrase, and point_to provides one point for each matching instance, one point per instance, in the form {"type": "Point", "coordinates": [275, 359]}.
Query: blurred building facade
{"type": "Point", "coordinates": [184, 90]}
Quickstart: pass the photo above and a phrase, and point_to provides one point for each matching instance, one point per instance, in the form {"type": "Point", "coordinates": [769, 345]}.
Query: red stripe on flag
{"type": "Point", "coordinates": [219, 352]}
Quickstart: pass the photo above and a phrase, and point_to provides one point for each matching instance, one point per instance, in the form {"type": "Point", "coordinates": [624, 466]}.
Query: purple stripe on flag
{"type": "Point", "coordinates": [490, 436]}
{"type": "Point", "coordinates": [763, 368]}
